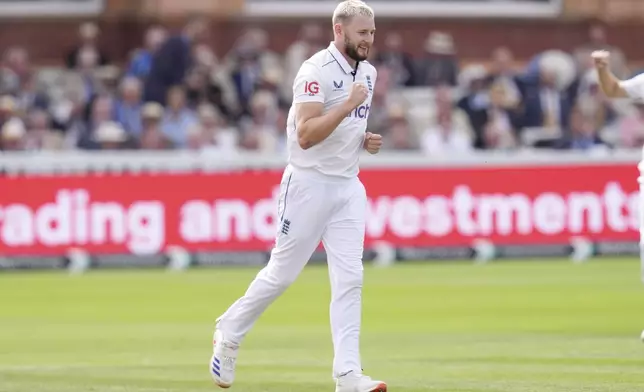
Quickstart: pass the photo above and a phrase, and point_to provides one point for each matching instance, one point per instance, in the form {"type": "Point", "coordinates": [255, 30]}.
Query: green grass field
{"type": "Point", "coordinates": [511, 326]}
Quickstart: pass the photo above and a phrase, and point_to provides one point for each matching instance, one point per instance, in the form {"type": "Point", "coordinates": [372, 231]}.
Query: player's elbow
{"type": "Point", "coordinates": [303, 137]}
{"type": "Point", "coordinates": [304, 142]}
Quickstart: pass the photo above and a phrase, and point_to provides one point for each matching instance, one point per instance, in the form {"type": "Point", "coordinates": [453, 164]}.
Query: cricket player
{"type": "Point", "coordinates": [612, 86]}
{"type": "Point", "coordinates": [321, 200]}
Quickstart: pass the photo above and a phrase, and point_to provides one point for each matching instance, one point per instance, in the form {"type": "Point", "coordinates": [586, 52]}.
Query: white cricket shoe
{"type": "Point", "coordinates": [359, 383]}
{"type": "Point", "coordinates": [222, 362]}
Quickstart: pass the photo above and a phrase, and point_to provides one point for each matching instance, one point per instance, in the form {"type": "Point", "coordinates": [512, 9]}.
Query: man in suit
{"type": "Point", "coordinates": [173, 60]}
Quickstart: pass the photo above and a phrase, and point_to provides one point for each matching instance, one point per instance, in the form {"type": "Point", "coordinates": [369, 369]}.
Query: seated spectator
{"type": "Point", "coordinates": [151, 136]}
{"type": "Point", "coordinates": [110, 136]}
{"type": "Point", "coordinates": [439, 64]}
{"type": "Point", "coordinates": [547, 104]}
{"type": "Point", "coordinates": [475, 100]}
{"type": "Point", "coordinates": [449, 132]}
{"type": "Point", "coordinates": [178, 117]}
{"type": "Point", "coordinates": [397, 60]}
{"type": "Point", "coordinates": [446, 113]}
{"type": "Point", "coordinates": [498, 137]}
{"type": "Point", "coordinates": [8, 108]}
{"type": "Point", "coordinates": [31, 96]}
{"type": "Point", "coordinates": [502, 114]}
{"type": "Point", "coordinates": [400, 136]}
{"type": "Point", "coordinates": [101, 112]}
{"type": "Point", "coordinates": [40, 134]}
{"type": "Point", "coordinates": [503, 72]}
{"type": "Point", "coordinates": [583, 134]}
{"type": "Point", "coordinates": [127, 108]}
{"type": "Point", "coordinates": [593, 102]}
{"type": "Point", "coordinates": [224, 139]}
{"type": "Point", "coordinates": [262, 122]}
{"type": "Point", "coordinates": [13, 134]}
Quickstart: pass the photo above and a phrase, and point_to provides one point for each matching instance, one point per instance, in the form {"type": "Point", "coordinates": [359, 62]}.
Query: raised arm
{"type": "Point", "coordinates": [313, 125]}
{"type": "Point", "coordinates": [612, 86]}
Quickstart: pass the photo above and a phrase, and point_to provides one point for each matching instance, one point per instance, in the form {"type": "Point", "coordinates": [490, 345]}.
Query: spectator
{"type": "Point", "coordinates": [400, 63]}
{"type": "Point", "coordinates": [141, 62]}
{"type": "Point", "coordinates": [310, 40]}
{"type": "Point", "coordinates": [15, 69]}
{"type": "Point", "coordinates": [127, 109]}
{"type": "Point", "coordinates": [475, 101]}
{"type": "Point", "coordinates": [13, 135]}
{"type": "Point", "coordinates": [178, 117]}
{"type": "Point", "coordinates": [439, 64]}
{"type": "Point", "coordinates": [87, 46]}
{"type": "Point", "coordinates": [496, 137]}
{"type": "Point", "coordinates": [224, 139]}
{"type": "Point", "coordinates": [211, 82]}
{"type": "Point", "coordinates": [547, 104]}
{"type": "Point", "coordinates": [110, 136]}
{"type": "Point", "coordinates": [449, 131]}
{"type": "Point", "coordinates": [173, 60]}
{"type": "Point", "coordinates": [101, 112]}
{"type": "Point", "coordinates": [593, 102]}
{"type": "Point", "coordinates": [399, 136]}
{"type": "Point", "coordinates": [598, 40]}
{"type": "Point", "coordinates": [503, 72]}
{"type": "Point", "coordinates": [262, 122]}
{"type": "Point", "coordinates": [31, 96]}
{"type": "Point", "coordinates": [40, 135]}
{"type": "Point", "coordinates": [8, 108]}
{"type": "Point", "coordinates": [249, 63]}
{"type": "Point", "coordinates": [151, 136]}
{"type": "Point", "coordinates": [501, 118]}
{"type": "Point", "coordinates": [583, 134]}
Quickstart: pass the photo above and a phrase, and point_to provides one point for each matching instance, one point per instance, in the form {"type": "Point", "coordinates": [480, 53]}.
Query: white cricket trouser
{"type": "Point", "coordinates": [313, 208]}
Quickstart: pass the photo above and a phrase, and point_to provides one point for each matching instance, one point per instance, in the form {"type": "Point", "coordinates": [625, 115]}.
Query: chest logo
{"type": "Point", "coordinates": [338, 85]}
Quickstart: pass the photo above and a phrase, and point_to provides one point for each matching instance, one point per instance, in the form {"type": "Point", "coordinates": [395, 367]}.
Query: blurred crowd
{"type": "Point", "coordinates": [175, 93]}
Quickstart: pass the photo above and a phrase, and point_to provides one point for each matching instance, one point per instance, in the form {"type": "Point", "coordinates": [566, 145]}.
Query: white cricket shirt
{"type": "Point", "coordinates": [634, 87]}
{"type": "Point", "coordinates": [327, 78]}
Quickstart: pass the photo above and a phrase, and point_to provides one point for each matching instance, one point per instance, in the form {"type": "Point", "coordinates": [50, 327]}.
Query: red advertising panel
{"type": "Point", "coordinates": [143, 214]}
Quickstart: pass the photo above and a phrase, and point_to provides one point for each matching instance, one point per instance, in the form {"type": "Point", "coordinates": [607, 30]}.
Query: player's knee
{"type": "Point", "coordinates": [282, 278]}
{"type": "Point", "coordinates": [351, 278]}
{"type": "Point", "coordinates": [286, 280]}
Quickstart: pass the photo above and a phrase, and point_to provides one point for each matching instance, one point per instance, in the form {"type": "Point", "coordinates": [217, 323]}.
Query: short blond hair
{"type": "Point", "coordinates": [350, 8]}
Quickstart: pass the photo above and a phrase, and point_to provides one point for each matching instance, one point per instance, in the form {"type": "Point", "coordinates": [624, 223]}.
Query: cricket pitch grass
{"type": "Point", "coordinates": [549, 326]}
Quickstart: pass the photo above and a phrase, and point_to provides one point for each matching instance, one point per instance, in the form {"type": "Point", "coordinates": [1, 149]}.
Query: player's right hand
{"type": "Point", "coordinates": [600, 58]}
{"type": "Point", "coordinates": [357, 95]}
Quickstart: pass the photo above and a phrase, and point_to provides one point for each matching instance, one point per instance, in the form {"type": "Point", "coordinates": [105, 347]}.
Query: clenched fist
{"type": "Point", "coordinates": [372, 142]}
{"type": "Point", "coordinates": [600, 58]}
{"type": "Point", "coordinates": [357, 95]}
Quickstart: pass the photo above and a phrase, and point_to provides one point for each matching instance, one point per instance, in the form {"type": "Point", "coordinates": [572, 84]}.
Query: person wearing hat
{"type": "Point", "coordinates": [439, 65]}
{"type": "Point", "coordinates": [151, 136]}
{"type": "Point", "coordinates": [110, 135]}
{"type": "Point", "coordinates": [8, 108]}
{"type": "Point", "coordinates": [13, 135]}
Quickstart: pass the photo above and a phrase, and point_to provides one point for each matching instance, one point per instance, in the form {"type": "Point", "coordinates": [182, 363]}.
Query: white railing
{"type": "Point", "coordinates": [185, 161]}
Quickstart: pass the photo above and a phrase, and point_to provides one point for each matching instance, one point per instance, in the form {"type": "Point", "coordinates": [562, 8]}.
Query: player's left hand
{"type": "Point", "coordinates": [372, 142]}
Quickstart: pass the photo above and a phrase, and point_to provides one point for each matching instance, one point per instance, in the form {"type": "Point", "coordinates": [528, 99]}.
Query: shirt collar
{"type": "Point", "coordinates": [335, 53]}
